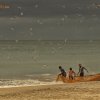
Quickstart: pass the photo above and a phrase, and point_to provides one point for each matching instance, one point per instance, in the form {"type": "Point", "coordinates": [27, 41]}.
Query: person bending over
{"type": "Point", "coordinates": [62, 73]}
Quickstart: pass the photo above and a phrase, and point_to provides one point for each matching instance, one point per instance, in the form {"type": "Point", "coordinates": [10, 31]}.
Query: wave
{"type": "Point", "coordinates": [20, 83]}
{"type": "Point", "coordinates": [32, 75]}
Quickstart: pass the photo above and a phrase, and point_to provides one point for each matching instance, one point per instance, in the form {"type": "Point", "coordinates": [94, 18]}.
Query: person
{"type": "Point", "coordinates": [62, 73]}
{"type": "Point", "coordinates": [81, 70]}
{"type": "Point", "coordinates": [71, 74]}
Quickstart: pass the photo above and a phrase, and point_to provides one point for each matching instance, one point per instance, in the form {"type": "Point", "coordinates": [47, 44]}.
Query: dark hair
{"type": "Point", "coordinates": [70, 68]}
{"type": "Point", "coordinates": [59, 67]}
{"type": "Point", "coordinates": [80, 65]}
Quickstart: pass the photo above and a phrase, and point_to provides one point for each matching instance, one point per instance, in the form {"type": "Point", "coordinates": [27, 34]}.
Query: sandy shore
{"type": "Point", "coordinates": [69, 91]}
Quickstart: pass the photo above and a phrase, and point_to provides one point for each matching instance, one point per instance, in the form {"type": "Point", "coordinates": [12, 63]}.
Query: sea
{"type": "Point", "coordinates": [36, 62]}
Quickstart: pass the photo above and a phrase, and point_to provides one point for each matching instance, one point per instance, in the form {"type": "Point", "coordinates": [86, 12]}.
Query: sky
{"type": "Point", "coordinates": [49, 19]}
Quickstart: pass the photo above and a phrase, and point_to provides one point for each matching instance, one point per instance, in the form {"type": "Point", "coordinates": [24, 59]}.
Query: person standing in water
{"type": "Point", "coordinates": [62, 73]}
{"type": "Point", "coordinates": [71, 74]}
{"type": "Point", "coordinates": [81, 70]}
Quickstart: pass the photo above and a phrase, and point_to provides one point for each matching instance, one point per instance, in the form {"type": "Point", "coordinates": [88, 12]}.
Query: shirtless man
{"type": "Point", "coordinates": [62, 73]}
{"type": "Point", "coordinates": [81, 70]}
{"type": "Point", "coordinates": [71, 74]}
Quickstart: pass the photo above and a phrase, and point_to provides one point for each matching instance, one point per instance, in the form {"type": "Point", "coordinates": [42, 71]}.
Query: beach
{"type": "Point", "coordinates": [28, 70]}
{"type": "Point", "coordinates": [66, 91]}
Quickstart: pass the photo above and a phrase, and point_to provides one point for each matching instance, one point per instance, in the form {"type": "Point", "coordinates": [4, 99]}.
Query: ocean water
{"type": "Point", "coordinates": [39, 60]}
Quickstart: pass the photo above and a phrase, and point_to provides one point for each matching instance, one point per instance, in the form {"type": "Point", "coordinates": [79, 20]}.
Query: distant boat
{"type": "Point", "coordinates": [4, 6]}
{"type": "Point", "coordinates": [97, 5]}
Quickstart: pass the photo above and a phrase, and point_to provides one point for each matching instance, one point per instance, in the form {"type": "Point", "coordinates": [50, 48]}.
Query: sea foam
{"type": "Point", "coordinates": [21, 83]}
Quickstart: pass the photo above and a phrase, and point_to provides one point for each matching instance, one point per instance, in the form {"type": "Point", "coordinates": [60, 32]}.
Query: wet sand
{"type": "Point", "coordinates": [67, 91]}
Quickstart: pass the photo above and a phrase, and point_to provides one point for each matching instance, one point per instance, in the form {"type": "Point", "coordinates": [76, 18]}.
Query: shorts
{"type": "Point", "coordinates": [71, 77]}
{"type": "Point", "coordinates": [81, 74]}
{"type": "Point", "coordinates": [64, 74]}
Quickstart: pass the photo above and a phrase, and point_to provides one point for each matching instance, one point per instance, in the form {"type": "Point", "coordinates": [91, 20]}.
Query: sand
{"type": "Point", "coordinates": [68, 91]}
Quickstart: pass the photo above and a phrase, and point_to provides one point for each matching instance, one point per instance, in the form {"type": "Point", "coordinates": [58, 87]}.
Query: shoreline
{"type": "Point", "coordinates": [25, 83]}
{"type": "Point", "coordinates": [69, 91]}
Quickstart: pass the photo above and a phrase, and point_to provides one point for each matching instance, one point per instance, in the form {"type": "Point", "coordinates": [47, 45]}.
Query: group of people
{"type": "Point", "coordinates": [71, 73]}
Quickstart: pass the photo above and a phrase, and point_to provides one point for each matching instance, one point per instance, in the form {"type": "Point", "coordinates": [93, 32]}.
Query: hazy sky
{"type": "Point", "coordinates": [49, 19]}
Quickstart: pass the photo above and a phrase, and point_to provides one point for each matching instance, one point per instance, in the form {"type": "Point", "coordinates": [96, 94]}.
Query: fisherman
{"type": "Point", "coordinates": [81, 70]}
{"type": "Point", "coordinates": [62, 73]}
{"type": "Point", "coordinates": [71, 74]}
